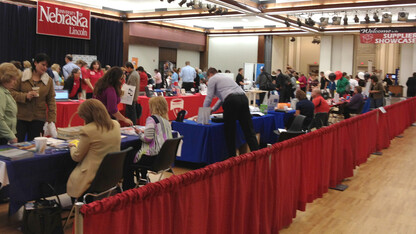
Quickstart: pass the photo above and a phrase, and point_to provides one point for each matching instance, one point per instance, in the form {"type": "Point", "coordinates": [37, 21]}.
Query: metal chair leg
{"type": "Point", "coordinates": [70, 214]}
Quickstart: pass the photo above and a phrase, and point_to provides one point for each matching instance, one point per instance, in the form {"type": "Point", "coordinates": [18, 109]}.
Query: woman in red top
{"type": "Point", "coordinates": [73, 83]}
{"type": "Point", "coordinates": [143, 78]}
{"type": "Point", "coordinates": [94, 74]}
{"type": "Point", "coordinates": [84, 74]}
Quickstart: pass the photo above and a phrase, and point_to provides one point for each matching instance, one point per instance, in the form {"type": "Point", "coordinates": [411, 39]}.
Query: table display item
{"type": "Point", "coordinates": [69, 133]}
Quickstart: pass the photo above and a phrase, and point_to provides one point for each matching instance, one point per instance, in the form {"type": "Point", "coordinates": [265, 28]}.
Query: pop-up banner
{"type": "Point", "coordinates": [62, 21]}
{"type": "Point", "coordinates": [404, 35]}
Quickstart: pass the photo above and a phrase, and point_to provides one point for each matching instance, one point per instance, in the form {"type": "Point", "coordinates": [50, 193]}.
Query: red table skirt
{"type": "Point", "coordinates": [175, 104]}
{"type": "Point", "coordinates": [64, 111]}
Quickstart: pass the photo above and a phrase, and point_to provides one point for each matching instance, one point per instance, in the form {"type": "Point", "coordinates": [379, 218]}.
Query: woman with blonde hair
{"type": "Point", "coordinates": [26, 65]}
{"type": "Point", "coordinates": [155, 133]}
{"type": "Point", "coordinates": [8, 108]}
{"type": "Point", "coordinates": [99, 136]}
{"type": "Point", "coordinates": [56, 77]}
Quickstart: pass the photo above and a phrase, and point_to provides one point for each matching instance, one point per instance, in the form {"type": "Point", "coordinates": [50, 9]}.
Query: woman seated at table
{"type": "Point", "coordinates": [304, 107]}
{"type": "Point", "coordinates": [155, 133]}
{"type": "Point", "coordinates": [98, 137]}
{"type": "Point", "coordinates": [108, 91]}
{"type": "Point", "coordinates": [355, 103]}
{"type": "Point", "coordinates": [8, 107]}
{"type": "Point", "coordinates": [73, 83]}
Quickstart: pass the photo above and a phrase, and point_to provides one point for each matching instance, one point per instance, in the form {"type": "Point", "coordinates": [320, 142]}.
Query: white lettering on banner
{"type": "Point", "coordinates": [74, 31]}
{"type": "Point", "coordinates": [69, 18]}
{"type": "Point", "coordinates": [388, 41]}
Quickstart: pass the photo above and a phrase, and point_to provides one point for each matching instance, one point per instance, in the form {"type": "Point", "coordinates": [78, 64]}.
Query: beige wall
{"type": "Point", "coordinates": [148, 56]}
{"type": "Point", "coordinates": [232, 52]}
{"type": "Point", "coordinates": [298, 54]}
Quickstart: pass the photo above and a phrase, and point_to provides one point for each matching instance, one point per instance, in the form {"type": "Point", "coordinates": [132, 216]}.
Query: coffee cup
{"type": "Point", "coordinates": [40, 144]}
{"type": "Point", "coordinates": [36, 89]}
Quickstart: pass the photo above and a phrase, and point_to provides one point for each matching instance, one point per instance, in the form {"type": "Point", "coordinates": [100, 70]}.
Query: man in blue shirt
{"type": "Point", "coordinates": [69, 66]}
{"type": "Point", "coordinates": [235, 105]}
{"type": "Point", "coordinates": [188, 74]}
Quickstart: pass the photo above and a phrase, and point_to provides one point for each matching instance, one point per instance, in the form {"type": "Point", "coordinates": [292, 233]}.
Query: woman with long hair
{"type": "Point", "coordinates": [35, 97]}
{"type": "Point", "coordinates": [94, 74]}
{"type": "Point", "coordinates": [73, 83]}
{"type": "Point", "coordinates": [99, 136]}
{"type": "Point", "coordinates": [108, 91]}
{"type": "Point", "coordinates": [155, 133]}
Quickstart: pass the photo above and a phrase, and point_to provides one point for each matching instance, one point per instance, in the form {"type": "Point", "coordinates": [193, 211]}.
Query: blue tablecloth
{"type": "Point", "coordinates": [281, 118]}
{"type": "Point", "coordinates": [26, 175]}
{"type": "Point", "coordinates": [206, 143]}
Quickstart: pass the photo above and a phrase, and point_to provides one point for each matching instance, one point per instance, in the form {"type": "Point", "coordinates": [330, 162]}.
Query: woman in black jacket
{"type": "Point", "coordinates": [411, 86]}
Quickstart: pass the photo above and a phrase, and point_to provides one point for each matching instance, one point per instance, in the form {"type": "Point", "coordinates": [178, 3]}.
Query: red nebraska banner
{"type": "Point", "coordinates": [388, 35]}
{"type": "Point", "coordinates": [57, 20]}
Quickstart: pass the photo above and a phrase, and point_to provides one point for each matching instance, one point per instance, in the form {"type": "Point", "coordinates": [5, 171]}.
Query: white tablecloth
{"type": "Point", "coordinates": [4, 179]}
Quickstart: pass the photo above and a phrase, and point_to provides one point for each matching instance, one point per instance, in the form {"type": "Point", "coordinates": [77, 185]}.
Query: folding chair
{"type": "Point", "coordinates": [163, 161]}
{"type": "Point", "coordinates": [107, 179]}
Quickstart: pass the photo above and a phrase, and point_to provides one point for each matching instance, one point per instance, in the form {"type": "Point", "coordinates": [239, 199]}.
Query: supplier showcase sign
{"type": "Point", "coordinates": [62, 21]}
{"type": "Point", "coordinates": [388, 35]}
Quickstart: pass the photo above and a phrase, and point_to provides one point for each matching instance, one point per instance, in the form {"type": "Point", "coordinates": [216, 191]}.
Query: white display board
{"type": "Point", "coordinates": [86, 58]}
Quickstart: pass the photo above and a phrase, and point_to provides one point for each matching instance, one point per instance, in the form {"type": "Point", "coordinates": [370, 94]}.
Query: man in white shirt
{"type": "Point", "coordinates": [353, 84]}
{"type": "Point", "coordinates": [69, 66]}
{"type": "Point", "coordinates": [235, 105]}
{"type": "Point", "coordinates": [187, 75]}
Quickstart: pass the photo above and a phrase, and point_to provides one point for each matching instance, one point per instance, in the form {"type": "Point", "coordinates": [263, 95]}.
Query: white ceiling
{"type": "Point", "coordinates": [246, 20]}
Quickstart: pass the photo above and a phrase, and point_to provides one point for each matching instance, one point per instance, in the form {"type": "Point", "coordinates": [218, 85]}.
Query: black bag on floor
{"type": "Point", "coordinates": [43, 216]}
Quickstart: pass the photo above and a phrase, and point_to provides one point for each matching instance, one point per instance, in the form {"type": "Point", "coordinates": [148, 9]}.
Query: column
{"type": "Point", "coordinates": [407, 64]}
{"type": "Point", "coordinates": [278, 55]}
{"type": "Point", "coordinates": [268, 48]}
{"type": "Point", "coordinates": [326, 53]}
{"type": "Point", "coordinates": [347, 57]}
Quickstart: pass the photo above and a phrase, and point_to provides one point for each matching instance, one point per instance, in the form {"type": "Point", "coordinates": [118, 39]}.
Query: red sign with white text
{"type": "Point", "coordinates": [388, 35]}
{"type": "Point", "coordinates": [62, 21]}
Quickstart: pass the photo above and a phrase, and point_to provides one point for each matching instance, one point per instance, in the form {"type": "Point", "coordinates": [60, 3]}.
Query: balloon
{"type": "Point", "coordinates": [361, 75]}
{"type": "Point", "coordinates": [327, 73]}
{"type": "Point", "coordinates": [338, 74]}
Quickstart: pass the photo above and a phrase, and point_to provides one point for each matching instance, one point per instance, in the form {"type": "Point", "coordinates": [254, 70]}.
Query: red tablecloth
{"type": "Point", "coordinates": [64, 111]}
{"type": "Point", "coordinates": [175, 104]}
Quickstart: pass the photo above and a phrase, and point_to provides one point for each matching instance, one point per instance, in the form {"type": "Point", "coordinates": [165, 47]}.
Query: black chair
{"type": "Point", "coordinates": [181, 115]}
{"type": "Point", "coordinates": [287, 135]}
{"type": "Point", "coordinates": [163, 161]}
{"type": "Point", "coordinates": [107, 179]}
{"type": "Point", "coordinates": [319, 120]}
{"type": "Point", "coordinates": [297, 124]}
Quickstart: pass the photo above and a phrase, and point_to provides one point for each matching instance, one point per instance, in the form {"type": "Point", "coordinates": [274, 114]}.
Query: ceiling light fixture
{"type": "Point", "coordinates": [345, 20]}
{"type": "Point", "coordinates": [324, 21]}
{"type": "Point", "coordinates": [356, 19]}
{"type": "Point", "coordinates": [287, 23]}
{"type": "Point", "coordinates": [402, 16]}
{"type": "Point", "coordinates": [375, 17]}
{"type": "Point", "coordinates": [169, 1]}
{"type": "Point", "coordinates": [181, 3]}
{"type": "Point", "coordinates": [386, 18]}
{"type": "Point", "coordinates": [191, 3]}
{"type": "Point", "coordinates": [367, 19]}
{"type": "Point", "coordinates": [336, 20]}
{"type": "Point", "coordinates": [299, 22]}
{"type": "Point", "coordinates": [212, 9]}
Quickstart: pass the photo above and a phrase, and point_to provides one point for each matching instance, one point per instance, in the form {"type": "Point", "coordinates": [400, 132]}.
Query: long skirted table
{"type": "Point", "coordinates": [64, 111]}
{"type": "Point", "coordinates": [190, 103]}
{"type": "Point", "coordinates": [206, 143]}
{"type": "Point", "coordinates": [27, 175]}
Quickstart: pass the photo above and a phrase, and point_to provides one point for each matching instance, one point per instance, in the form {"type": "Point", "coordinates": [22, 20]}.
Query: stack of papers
{"type": "Point", "coordinates": [13, 154]}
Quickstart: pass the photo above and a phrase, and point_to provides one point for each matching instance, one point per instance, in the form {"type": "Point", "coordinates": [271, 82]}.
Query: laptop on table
{"type": "Point", "coordinates": [61, 95]}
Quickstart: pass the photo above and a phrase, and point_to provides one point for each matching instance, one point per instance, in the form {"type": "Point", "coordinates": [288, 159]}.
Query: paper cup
{"type": "Point", "coordinates": [36, 89]}
{"type": "Point", "coordinates": [40, 143]}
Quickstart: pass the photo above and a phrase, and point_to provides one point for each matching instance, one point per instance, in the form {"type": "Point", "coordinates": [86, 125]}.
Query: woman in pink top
{"type": "Point", "coordinates": [158, 79]}
{"type": "Point", "coordinates": [302, 82]}
{"type": "Point", "coordinates": [94, 74]}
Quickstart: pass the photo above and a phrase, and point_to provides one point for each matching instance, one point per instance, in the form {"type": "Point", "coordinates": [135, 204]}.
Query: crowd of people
{"type": "Point", "coordinates": [27, 101]}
